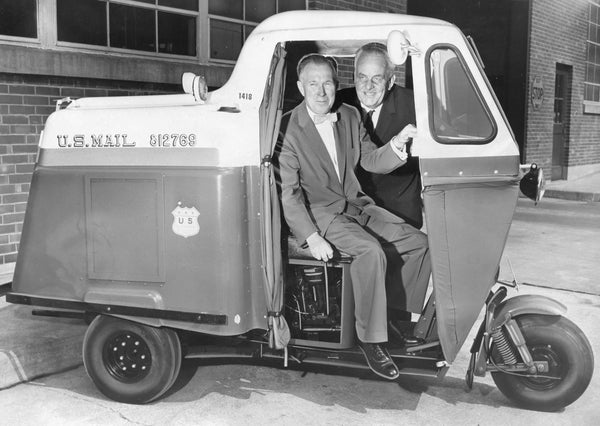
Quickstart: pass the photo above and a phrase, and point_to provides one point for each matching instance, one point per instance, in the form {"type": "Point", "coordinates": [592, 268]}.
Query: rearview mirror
{"type": "Point", "coordinates": [532, 184]}
{"type": "Point", "coordinates": [399, 47]}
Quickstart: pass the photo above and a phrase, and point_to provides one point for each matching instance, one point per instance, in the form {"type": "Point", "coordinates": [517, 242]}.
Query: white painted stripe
{"type": "Point", "coordinates": [18, 367]}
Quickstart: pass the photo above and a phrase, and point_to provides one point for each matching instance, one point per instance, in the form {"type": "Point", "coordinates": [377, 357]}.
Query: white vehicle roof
{"type": "Point", "coordinates": [227, 123]}
{"type": "Point", "coordinates": [313, 19]}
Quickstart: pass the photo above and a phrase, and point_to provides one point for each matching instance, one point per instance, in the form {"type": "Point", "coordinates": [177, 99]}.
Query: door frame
{"type": "Point", "coordinates": [561, 121]}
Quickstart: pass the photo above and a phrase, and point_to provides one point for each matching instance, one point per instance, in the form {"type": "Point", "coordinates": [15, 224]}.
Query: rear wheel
{"type": "Point", "coordinates": [560, 343]}
{"type": "Point", "coordinates": [131, 362]}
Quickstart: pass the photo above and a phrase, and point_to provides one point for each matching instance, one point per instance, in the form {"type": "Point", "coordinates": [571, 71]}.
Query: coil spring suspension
{"type": "Point", "coordinates": [506, 351]}
{"type": "Point", "coordinates": [314, 275]}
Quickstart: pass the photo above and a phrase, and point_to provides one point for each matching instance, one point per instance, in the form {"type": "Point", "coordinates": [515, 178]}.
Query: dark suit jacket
{"type": "Point", "coordinates": [398, 191]}
{"type": "Point", "coordinates": [311, 193]}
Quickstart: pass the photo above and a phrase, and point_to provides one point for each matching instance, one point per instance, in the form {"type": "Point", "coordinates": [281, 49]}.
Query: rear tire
{"type": "Point", "coordinates": [131, 362]}
{"type": "Point", "coordinates": [563, 345]}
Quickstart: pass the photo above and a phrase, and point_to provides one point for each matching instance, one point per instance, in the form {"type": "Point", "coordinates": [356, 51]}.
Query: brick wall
{"type": "Point", "coordinates": [25, 103]}
{"type": "Point", "coordinates": [558, 35]}
{"type": "Point", "coordinates": [346, 66]}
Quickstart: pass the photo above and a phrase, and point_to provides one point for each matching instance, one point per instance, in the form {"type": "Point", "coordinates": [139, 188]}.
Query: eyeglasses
{"type": "Point", "coordinates": [376, 80]}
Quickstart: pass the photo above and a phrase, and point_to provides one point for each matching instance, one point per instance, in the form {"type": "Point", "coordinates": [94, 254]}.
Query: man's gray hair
{"type": "Point", "coordinates": [375, 49]}
{"type": "Point", "coordinates": [317, 59]}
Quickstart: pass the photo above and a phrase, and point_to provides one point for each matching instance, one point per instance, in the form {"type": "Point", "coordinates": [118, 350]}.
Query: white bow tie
{"type": "Point", "coordinates": [322, 118]}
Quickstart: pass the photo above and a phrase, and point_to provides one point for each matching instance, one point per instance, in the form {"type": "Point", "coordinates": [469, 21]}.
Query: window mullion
{"type": "Point", "coordinates": [46, 23]}
{"type": "Point", "coordinates": [244, 19]}
{"type": "Point", "coordinates": [156, 31]}
{"type": "Point", "coordinates": [108, 24]}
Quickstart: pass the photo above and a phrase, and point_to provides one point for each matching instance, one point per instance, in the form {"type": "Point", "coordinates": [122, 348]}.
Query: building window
{"type": "Point", "coordinates": [160, 26]}
{"type": "Point", "coordinates": [592, 68]}
{"type": "Point", "coordinates": [18, 18]}
{"type": "Point", "coordinates": [82, 21]}
{"type": "Point", "coordinates": [132, 27]}
{"type": "Point", "coordinates": [232, 21]}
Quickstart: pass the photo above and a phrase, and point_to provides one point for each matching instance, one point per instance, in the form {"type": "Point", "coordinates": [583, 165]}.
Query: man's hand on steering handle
{"type": "Point", "coordinates": [405, 135]}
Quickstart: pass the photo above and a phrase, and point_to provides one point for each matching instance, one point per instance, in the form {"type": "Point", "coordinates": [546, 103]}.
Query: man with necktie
{"type": "Point", "coordinates": [386, 109]}
{"type": "Point", "coordinates": [325, 207]}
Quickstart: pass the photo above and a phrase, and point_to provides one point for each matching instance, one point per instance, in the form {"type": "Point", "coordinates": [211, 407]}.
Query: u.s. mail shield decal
{"type": "Point", "coordinates": [185, 221]}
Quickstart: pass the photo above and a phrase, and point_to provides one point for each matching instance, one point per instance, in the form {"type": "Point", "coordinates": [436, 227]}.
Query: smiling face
{"type": "Point", "coordinates": [372, 79]}
{"type": "Point", "coordinates": [317, 84]}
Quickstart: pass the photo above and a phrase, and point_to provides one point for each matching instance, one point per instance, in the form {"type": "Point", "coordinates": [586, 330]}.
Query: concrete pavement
{"type": "Point", "coordinates": [220, 393]}
{"type": "Point", "coordinates": [586, 188]}
{"type": "Point", "coordinates": [34, 346]}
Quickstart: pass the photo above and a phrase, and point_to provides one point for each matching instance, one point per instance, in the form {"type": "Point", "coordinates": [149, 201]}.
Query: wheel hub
{"type": "Point", "coordinates": [127, 357]}
{"type": "Point", "coordinates": [554, 371]}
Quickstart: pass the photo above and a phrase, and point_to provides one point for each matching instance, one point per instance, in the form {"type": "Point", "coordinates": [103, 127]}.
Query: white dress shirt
{"type": "Point", "coordinates": [325, 130]}
{"type": "Point", "coordinates": [375, 115]}
{"type": "Point", "coordinates": [401, 153]}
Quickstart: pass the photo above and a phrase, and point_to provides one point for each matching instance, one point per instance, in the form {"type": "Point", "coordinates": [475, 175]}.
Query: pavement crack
{"type": "Point", "coordinates": [128, 419]}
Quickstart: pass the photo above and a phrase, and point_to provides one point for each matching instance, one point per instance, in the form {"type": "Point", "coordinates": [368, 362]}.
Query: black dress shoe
{"type": "Point", "coordinates": [379, 360]}
{"type": "Point", "coordinates": [402, 336]}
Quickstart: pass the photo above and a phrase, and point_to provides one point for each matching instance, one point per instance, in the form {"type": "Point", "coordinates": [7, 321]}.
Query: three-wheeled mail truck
{"type": "Point", "coordinates": [158, 216]}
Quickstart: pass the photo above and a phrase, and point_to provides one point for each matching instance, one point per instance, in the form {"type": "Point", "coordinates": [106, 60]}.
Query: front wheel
{"type": "Point", "coordinates": [560, 343]}
{"type": "Point", "coordinates": [130, 362]}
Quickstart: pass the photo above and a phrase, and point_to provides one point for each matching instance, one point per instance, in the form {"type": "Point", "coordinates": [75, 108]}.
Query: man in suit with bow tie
{"type": "Point", "coordinates": [325, 207]}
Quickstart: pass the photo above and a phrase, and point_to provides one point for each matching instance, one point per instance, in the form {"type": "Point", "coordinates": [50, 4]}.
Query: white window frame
{"type": "Point", "coordinates": [132, 52]}
{"type": "Point", "coordinates": [7, 39]}
{"type": "Point", "coordinates": [591, 106]}
{"type": "Point", "coordinates": [242, 22]}
{"type": "Point", "coordinates": [47, 34]}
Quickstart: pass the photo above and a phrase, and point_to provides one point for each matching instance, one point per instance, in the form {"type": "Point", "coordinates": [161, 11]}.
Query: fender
{"type": "Point", "coordinates": [526, 304]}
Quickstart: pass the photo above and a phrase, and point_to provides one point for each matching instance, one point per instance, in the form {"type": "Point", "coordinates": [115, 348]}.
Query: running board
{"type": "Point", "coordinates": [409, 365]}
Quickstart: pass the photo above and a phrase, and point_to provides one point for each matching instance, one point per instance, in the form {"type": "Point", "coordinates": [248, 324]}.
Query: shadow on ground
{"type": "Point", "coordinates": [356, 391]}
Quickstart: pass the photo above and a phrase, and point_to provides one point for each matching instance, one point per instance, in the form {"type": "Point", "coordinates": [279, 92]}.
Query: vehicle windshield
{"type": "Point", "coordinates": [458, 114]}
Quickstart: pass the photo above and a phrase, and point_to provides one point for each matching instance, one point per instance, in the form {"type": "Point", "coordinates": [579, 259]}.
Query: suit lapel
{"type": "Point", "coordinates": [339, 132]}
{"type": "Point", "coordinates": [386, 116]}
{"type": "Point", "coordinates": [316, 144]}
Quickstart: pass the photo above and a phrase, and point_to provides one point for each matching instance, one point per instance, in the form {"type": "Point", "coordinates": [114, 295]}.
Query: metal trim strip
{"type": "Point", "coordinates": [198, 318]}
{"type": "Point", "coordinates": [462, 167]}
{"type": "Point", "coordinates": [198, 157]}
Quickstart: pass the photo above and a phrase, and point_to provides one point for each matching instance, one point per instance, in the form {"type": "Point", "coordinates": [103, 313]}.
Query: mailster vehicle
{"type": "Point", "coordinates": [159, 218]}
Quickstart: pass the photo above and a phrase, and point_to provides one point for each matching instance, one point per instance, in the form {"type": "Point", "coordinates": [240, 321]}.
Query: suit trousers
{"type": "Point", "coordinates": [372, 242]}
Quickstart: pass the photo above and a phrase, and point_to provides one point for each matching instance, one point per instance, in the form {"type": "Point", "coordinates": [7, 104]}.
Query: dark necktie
{"type": "Point", "coordinates": [368, 122]}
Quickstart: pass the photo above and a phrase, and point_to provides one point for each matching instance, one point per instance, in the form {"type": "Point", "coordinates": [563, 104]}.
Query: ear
{"type": "Point", "coordinates": [300, 87]}
{"type": "Point", "coordinates": [392, 81]}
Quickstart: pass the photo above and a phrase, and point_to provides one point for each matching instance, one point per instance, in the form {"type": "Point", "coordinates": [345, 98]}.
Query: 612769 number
{"type": "Point", "coordinates": [166, 140]}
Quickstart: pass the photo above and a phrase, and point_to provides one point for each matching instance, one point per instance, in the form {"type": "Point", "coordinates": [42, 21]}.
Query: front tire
{"type": "Point", "coordinates": [131, 362]}
{"type": "Point", "coordinates": [563, 345]}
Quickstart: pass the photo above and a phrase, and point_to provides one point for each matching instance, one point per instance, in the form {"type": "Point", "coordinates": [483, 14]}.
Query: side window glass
{"type": "Point", "coordinates": [457, 112]}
